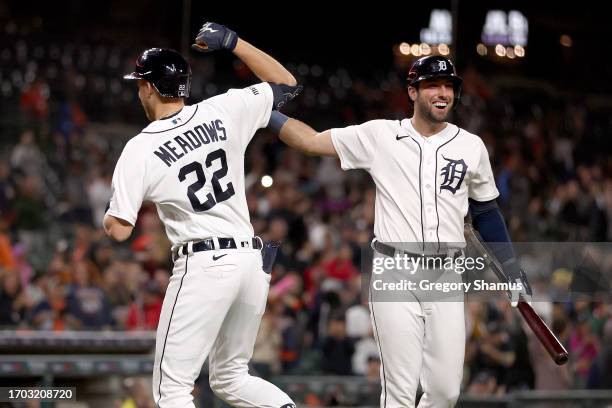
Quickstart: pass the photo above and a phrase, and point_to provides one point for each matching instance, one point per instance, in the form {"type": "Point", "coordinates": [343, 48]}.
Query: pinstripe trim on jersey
{"type": "Point", "coordinates": [161, 360]}
{"type": "Point", "coordinates": [420, 190]}
{"type": "Point", "coordinates": [436, 185]}
{"type": "Point", "coordinates": [382, 360]}
{"type": "Point", "coordinates": [176, 127]}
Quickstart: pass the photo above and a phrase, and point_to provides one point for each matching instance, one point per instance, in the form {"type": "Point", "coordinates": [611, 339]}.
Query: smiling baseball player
{"type": "Point", "coordinates": [189, 161]}
{"type": "Point", "coordinates": [427, 172]}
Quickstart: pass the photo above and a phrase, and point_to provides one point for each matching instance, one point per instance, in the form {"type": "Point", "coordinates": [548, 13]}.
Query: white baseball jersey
{"type": "Point", "coordinates": [191, 165]}
{"type": "Point", "coordinates": [422, 183]}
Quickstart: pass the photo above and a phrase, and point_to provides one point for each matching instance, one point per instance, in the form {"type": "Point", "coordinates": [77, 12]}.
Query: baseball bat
{"type": "Point", "coordinates": [546, 337]}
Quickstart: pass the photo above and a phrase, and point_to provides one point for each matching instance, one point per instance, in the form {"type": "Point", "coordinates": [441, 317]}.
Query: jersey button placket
{"type": "Point", "coordinates": [429, 194]}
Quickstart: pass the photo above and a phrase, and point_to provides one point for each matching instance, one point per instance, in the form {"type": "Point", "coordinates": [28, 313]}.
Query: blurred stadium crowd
{"type": "Point", "coordinates": [66, 115]}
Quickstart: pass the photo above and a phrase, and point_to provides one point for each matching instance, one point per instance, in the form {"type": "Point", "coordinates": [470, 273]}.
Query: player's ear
{"type": "Point", "coordinates": [150, 90]}
{"type": "Point", "coordinates": [412, 93]}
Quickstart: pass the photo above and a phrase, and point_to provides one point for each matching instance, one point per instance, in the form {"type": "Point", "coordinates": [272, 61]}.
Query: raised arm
{"type": "Point", "coordinates": [213, 36]}
{"type": "Point", "coordinates": [301, 136]}
{"type": "Point", "coordinates": [263, 65]}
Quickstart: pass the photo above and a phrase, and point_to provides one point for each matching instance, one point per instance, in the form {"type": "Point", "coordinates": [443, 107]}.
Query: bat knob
{"type": "Point", "coordinates": [561, 359]}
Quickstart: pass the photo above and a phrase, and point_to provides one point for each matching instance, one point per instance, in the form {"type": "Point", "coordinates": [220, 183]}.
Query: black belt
{"type": "Point", "coordinates": [390, 251]}
{"type": "Point", "coordinates": [208, 244]}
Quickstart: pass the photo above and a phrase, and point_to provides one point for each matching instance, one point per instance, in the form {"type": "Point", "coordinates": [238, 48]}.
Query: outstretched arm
{"type": "Point", "coordinates": [301, 136]}
{"type": "Point", "coordinates": [213, 36]}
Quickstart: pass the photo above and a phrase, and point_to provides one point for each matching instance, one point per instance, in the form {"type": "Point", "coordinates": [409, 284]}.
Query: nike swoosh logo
{"type": "Point", "coordinates": [216, 258]}
{"type": "Point", "coordinates": [398, 137]}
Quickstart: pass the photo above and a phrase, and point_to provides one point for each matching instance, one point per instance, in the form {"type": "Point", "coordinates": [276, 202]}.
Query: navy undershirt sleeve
{"type": "Point", "coordinates": [489, 222]}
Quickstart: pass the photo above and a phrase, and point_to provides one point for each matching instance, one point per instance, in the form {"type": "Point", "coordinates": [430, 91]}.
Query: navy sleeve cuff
{"type": "Point", "coordinates": [277, 120]}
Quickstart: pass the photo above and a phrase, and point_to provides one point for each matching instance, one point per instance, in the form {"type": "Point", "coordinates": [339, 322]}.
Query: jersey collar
{"type": "Point", "coordinates": [175, 121]}
{"type": "Point", "coordinates": [436, 139]}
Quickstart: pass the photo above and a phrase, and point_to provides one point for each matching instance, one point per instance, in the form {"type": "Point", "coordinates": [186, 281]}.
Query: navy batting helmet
{"type": "Point", "coordinates": [166, 70]}
{"type": "Point", "coordinates": [435, 66]}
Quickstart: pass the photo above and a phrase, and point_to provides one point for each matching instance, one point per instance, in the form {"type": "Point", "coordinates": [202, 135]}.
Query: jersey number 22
{"type": "Point", "coordinates": [219, 193]}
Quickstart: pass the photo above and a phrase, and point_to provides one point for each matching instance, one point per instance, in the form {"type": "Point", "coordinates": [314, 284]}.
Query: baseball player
{"type": "Point", "coordinates": [189, 161]}
{"type": "Point", "coordinates": [427, 172]}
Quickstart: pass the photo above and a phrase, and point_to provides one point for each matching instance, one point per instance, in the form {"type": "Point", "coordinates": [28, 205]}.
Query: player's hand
{"type": "Point", "coordinates": [213, 36]}
{"type": "Point", "coordinates": [518, 278]}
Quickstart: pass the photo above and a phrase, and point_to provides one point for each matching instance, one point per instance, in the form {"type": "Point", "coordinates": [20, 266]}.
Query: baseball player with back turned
{"type": "Point", "coordinates": [189, 161]}
{"type": "Point", "coordinates": [428, 173]}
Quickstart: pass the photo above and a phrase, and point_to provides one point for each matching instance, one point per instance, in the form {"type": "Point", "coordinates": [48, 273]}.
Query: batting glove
{"type": "Point", "coordinates": [517, 279]}
{"type": "Point", "coordinates": [213, 36]}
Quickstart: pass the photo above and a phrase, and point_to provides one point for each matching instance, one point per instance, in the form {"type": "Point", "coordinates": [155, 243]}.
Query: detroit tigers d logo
{"type": "Point", "coordinates": [453, 173]}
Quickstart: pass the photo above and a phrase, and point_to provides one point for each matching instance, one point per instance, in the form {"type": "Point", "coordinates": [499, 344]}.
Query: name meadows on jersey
{"type": "Point", "coordinates": [190, 140]}
{"type": "Point", "coordinates": [445, 287]}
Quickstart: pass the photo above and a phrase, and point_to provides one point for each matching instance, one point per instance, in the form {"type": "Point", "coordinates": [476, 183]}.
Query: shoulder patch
{"type": "Point", "coordinates": [254, 90]}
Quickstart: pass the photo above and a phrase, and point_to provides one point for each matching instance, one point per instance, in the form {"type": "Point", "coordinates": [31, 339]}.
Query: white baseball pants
{"type": "Point", "coordinates": [419, 341]}
{"type": "Point", "coordinates": [213, 309]}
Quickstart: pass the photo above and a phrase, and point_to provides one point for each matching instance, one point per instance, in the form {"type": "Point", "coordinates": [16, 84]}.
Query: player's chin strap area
{"type": "Point", "coordinates": [216, 244]}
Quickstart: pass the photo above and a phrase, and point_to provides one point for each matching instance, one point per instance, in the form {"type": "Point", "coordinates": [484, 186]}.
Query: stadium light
{"type": "Point", "coordinates": [500, 50]}
{"type": "Point", "coordinates": [267, 181]}
{"type": "Point", "coordinates": [519, 51]}
{"type": "Point", "coordinates": [404, 48]}
{"type": "Point", "coordinates": [481, 49]}
{"type": "Point", "coordinates": [566, 40]}
{"type": "Point", "coordinates": [425, 49]}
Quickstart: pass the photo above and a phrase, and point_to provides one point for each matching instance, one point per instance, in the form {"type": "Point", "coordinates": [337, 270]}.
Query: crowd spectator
{"type": "Point", "coordinates": [584, 346]}
{"type": "Point", "coordinates": [87, 305]}
{"type": "Point", "coordinates": [337, 349]}
{"type": "Point", "coordinates": [144, 311]}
